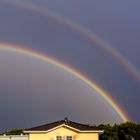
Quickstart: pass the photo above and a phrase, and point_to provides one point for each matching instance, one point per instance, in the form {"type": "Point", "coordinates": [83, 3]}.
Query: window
{"type": "Point", "coordinates": [69, 137]}
{"type": "Point", "coordinates": [58, 137]}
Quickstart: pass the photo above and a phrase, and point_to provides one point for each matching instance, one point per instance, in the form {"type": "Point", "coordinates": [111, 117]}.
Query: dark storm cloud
{"type": "Point", "coordinates": [34, 92]}
{"type": "Point", "coordinates": [115, 21]}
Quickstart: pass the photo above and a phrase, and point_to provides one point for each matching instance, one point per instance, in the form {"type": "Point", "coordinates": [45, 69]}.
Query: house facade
{"type": "Point", "coordinates": [64, 130]}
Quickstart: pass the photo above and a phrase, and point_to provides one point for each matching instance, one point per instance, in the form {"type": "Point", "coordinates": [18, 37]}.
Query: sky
{"type": "Point", "coordinates": [34, 92]}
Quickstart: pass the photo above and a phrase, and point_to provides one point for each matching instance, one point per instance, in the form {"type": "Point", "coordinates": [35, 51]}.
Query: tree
{"type": "Point", "coordinates": [15, 131]}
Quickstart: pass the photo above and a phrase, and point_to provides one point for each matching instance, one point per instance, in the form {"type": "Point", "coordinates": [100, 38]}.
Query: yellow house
{"type": "Point", "coordinates": [64, 130]}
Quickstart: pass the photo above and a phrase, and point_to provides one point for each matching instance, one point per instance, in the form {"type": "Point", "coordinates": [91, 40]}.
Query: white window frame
{"type": "Point", "coordinates": [58, 136]}
{"type": "Point", "coordinates": [69, 136]}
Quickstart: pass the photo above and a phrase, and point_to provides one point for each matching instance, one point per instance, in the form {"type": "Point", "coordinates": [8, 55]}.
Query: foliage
{"type": "Point", "coordinates": [15, 131]}
{"type": "Point", "coordinates": [122, 131]}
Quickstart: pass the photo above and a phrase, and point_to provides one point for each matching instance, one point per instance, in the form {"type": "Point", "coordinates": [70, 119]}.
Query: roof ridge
{"type": "Point", "coordinates": [67, 122]}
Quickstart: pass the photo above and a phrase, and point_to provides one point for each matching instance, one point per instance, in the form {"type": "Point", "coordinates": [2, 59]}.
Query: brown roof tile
{"type": "Point", "coordinates": [75, 125]}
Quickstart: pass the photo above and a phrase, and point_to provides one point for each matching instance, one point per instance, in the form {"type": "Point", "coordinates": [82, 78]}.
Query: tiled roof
{"type": "Point", "coordinates": [81, 127]}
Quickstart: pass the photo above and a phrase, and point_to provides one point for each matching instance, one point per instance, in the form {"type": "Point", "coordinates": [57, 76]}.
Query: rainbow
{"type": "Point", "coordinates": [74, 72]}
{"type": "Point", "coordinates": [93, 38]}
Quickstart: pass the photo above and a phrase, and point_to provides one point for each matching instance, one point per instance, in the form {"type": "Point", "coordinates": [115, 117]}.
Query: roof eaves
{"type": "Point", "coordinates": [64, 125]}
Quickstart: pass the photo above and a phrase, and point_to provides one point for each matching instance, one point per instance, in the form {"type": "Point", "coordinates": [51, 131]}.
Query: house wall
{"type": "Point", "coordinates": [88, 136]}
{"type": "Point", "coordinates": [62, 131]}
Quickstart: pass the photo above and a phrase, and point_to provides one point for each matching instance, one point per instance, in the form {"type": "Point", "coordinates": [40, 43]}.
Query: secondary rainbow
{"type": "Point", "coordinates": [74, 72]}
{"type": "Point", "coordinates": [93, 38]}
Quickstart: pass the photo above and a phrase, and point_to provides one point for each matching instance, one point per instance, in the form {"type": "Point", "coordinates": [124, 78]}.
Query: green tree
{"type": "Point", "coordinates": [15, 131]}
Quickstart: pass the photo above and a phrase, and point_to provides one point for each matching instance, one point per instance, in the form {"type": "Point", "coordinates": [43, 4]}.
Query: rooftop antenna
{"type": "Point", "coordinates": [66, 120]}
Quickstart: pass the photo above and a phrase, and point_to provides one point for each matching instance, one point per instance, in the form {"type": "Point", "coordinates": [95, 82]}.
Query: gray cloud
{"type": "Point", "coordinates": [116, 22]}
{"type": "Point", "coordinates": [33, 91]}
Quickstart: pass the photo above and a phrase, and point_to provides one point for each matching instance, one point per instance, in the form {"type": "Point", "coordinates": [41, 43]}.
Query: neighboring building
{"type": "Point", "coordinates": [14, 137]}
{"type": "Point", "coordinates": [64, 130]}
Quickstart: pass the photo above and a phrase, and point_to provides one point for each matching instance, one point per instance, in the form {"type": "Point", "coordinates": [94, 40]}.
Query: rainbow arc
{"type": "Point", "coordinates": [92, 37]}
{"type": "Point", "coordinates": [45, 58]}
